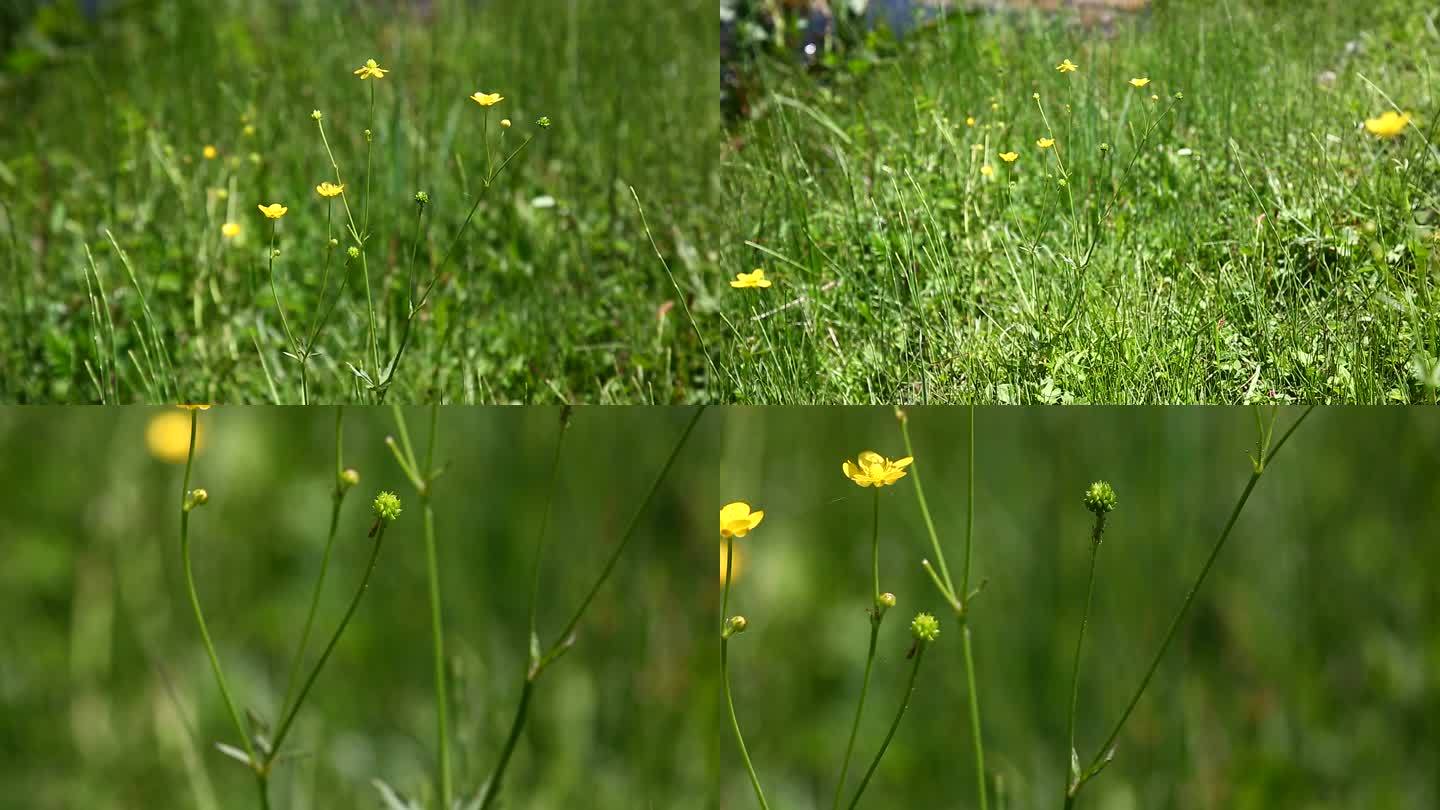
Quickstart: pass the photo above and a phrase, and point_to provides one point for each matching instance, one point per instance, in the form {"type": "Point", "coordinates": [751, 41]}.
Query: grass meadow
{"type": "Point", "coordinates": [137, 146]}
{"type": "Point", "coordinates": [1302, 676]}
{"type": "Point", "coordinates": [108, 699]}
{"type": "Point", "coordinates": [1198, 213]}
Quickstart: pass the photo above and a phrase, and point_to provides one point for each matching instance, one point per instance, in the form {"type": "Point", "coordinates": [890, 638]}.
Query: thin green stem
{"type": "Point", "coordinates": [564, 639]}
{"type": "Point", "coordinates": [289, 720]}
{"type": "Point", "coordinates": [544, 526]}
{"type": "Point", "coordinates": [875, 550]}
{"type": "Point", "coordinates": [889, 735]}
{"type": "Point", "coordinates": [949, 585]}
{"type": "Point", "coordinates": [492, 787]}
{"type": "Point", "coordinates": [859, 709]}
{"type": "Point", "coordinates": [195, 602]}
{"type": "Point", "coordinates": [437, 625]}
{"type": "Point", "coordinates": [735, 723]}
{"type": "Point", "coordinates": [290, 680]}
{"type": "Point", "coordinates": [1071, 758]}
{"type": "Point", "coordinates": [975, 738]}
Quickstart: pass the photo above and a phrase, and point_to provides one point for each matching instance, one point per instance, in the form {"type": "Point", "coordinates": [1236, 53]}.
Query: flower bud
{"type": "Point", "coordinates": [421, 198]}
{"type": "Point", "coordinates": [543, 122]}
{"type": "Point", "coordinates": [316, 114]}
{"type": "Point", "coordinates": [1100, 498]}
{"type": "Point", "coordinates": [387, 506]}
{"type": "Point", "coordinates": [925, 627]}
{"type": "Point", "coordinates": [505, 123]}
{"type": "Point", "coordinates": [887, 600]}
{"type": "Point", "coordinates": [348, 478]}
{"type": "Point", "coordinates": [354, 252]}
{"type": "Point", "coordinates": [735, 624]}
{"type": "Point", "coordinates": [194, 498]}
{"type": "Point", "coordinates": [334, 243]}
{"type": "Point", "coordinates": [275, 253]}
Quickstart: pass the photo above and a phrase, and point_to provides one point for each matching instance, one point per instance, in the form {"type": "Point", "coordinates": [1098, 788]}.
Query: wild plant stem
{"type": "Point", "coordinates": [492, 788]}
{"type": "Point", "coordinates": [437, 625]}
{"type": "Point", "coordinates": [286, 724]}
{"type": "Point", "coordinates": [1266, 455]}
{"type": "Point", "coordinates": [565, 635]}
{"type": "Point", "coordinates": [895, 724]}
{"type": "Point", "coordinates": [925, 510]}
{"type": "Point", "coordinates": [544, 526]}
{"type": "Point", "coordinates": [200, 614]}
{"type": "Point", "coordinates": [975, 738]}
{"type": "Point", "coordinates": [314, 600]}
{"type": "Point", "coordinates": [1070, 756]}
{"type": "Point", "coordinates": [725, 676]}
{"type": "Point", "coordinates": [876, 616]}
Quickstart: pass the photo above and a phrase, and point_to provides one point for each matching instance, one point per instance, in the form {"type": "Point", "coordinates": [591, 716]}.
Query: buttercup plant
{"type": "Point", "coordinates": [422, 473]}
{"type": "Point", "coordinates": [258, 750]}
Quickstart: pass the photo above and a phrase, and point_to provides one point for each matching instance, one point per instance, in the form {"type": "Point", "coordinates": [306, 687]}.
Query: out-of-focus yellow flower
{"type": "Point", "coordinates": [370, 70]}
{"type": "Point", "coordinates": [1388, 124]}
{"type": "Point", "coordinates": [328, 189]}
{"type": "Point", "coordinates": [737, 562]}
{"type": "Point", "coordinates": [755, 278]}
{"type": "Point", "coordinates": [1140, 81]}
{"type": "Point", "coordinates": [273, 210]}
{"type": "Point", "coordinates": [486, 99]}
{"type": "Point", "coordinates": [736, 519]}
{"type": "Point", "coordinates": [230, 230]}
{"type": "Point", "coordinates": [1045, 143]}
{"type": "Point", "coordinates": [168, 436]}
{"type": "Point", "coordinates": [987, 170]}
{"type": "Point", "coordinates": [1067, 67]}
{"type": "Point", "coordinates": [871, 469]}
{"type": "Point", "coordinates": [210, 152]}
{"type": "Point", "coordinates": [1009, 157]}
{"type": "Point", "coordinates": [969, 120]}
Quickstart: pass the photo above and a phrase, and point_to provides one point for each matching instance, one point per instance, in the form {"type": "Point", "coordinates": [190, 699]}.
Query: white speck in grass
{"type": "Point", "coordinates": [543, 201]}
{"type": "Point", "coordinates": [810, 49]}
{"type": "Point", "coordinates": [1184, 151]}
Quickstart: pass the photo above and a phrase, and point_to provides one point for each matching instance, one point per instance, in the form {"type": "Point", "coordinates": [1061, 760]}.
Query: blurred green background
{"type": "Point", "coordinates": [101, 669]}
{"type": "Point", "coordinates": [1304, 677]}
{"type": "Point", "coordinates": [555, 292]}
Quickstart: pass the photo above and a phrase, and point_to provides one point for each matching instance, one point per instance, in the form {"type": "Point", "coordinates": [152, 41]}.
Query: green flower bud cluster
{"type": "Point", "coordinates": [925, 627]}
{"type": "Point", "coordinates": [387, 506]}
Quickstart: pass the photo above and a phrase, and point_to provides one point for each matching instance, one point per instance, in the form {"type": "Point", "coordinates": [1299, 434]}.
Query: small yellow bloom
{"type": "Point", "coordinates": [870, 469]}
{"type": "Point", "coordinates": [329, 189]}
{"type": "Point", "coordinates": [210, 152]}
{"type": "Point", "coordinates": [167, 436]}
{"type": "Point", "coordinates": [1388, 125]}
{"type": "Point", "coordinates": [969, 120]}
{"type": "Point", "coordinates": [1045, 143]}
{"type": "Point", "coordinates": [752, 279]}
{"type": "Point", "coordinates": [370, 70]}
{"type": "Point", "coordinates": [1139, 82]}
{"type": "Point", "coordinates": [1067, 67]}
{"type": "Point", "coordinates": [273, 210]}
{"type": "Point", "coordinates": [1009, 157]}
{"type": "Point", "coordinates": [987, 170]}
{"type": "Point", "coordinates": [736, 519]}
{"type": "Point", "coordinates": [230, 230]}
{"type": "Point", "coordinates": [248, 131]}
{"type": "Point", "coordinates": [486, 99]}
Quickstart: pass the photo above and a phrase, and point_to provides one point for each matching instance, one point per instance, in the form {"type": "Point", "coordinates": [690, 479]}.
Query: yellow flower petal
{"type": "Point", "coordinates": [1009, 157]}
{"type": "Point", "coordinates": [1139, 82]}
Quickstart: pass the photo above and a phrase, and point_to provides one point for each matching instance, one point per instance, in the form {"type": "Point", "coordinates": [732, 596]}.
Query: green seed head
{"type": "Point", "coordinates": [1100, 498]}
{"type": "Point", "coordinates": [387, 506]}
{"type": "Point", "coordinates": [925, 627]}
{"type": "Point", "coordinates": [316, 114]}
{"type": "Point", "coordinates": [543, 122]}
{"type": "Point", "coordinates": [421, 198]}
{"type": "Point", "coordinates": [353, 252]}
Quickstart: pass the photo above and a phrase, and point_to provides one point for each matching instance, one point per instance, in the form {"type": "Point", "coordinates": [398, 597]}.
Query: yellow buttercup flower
{"type": "Point", "coordinates": [736, 519]}
{"type": "Point", "coordinates": [1139, 82]}
{"type": "Point", "coordinates": [370, 70]}
{"type": "Point", "coordinates": [210, 152]}
{"type": "Point", "coordinates": [870, 469]}
{"type": "Point", "coordinates": [273, 210]}
{"type": "Point", "coordinates": [1009, 157]}
{"type": "Point", "coordinates": [1045, 143]}
{"type": "Point", "coordinates": [752, 279]}
{"type": "Point", "coordinates": [1388, 125]}
{"type": "Point", "coordinates": [230, 230]}
{"type": "Point", "coordinates": [969, 120]}
{"type": "Point", "coordinates": [167, 436]}
{"type": "Point", "coordinates": [1067, 67]}
{"type": "Point", "coordinates": [487, 99]}
{"type": "Point", "coordinates": [987, 170]}
{"type": "Point", "coordinates": [328, 189]}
